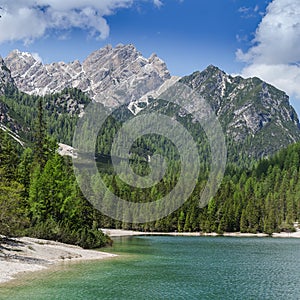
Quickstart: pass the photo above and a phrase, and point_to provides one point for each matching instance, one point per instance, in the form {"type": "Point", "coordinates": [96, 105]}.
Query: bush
{"type": "Point", "coordinates": [61, 232]}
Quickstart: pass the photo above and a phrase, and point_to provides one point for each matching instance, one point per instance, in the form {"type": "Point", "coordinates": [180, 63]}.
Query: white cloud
{"type": "Point", "coordinates": [37, 57]}
{"type": "Point", "coordinates": [275, 54]}
{"type": "Point", "coordinates": [249, 12]}
{"type": "Point", "coordinates": [27, 20]}
{"type": "Point", "coordinates": [157, 3]}
{"type": "Point", "coordinates": [285, 77]}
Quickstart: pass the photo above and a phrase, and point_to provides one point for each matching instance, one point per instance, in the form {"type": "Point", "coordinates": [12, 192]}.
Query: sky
{"type": "Point", "coordinates": [246, 37]}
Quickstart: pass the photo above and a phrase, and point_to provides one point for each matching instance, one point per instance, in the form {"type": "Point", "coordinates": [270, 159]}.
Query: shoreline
{"type": "Point", "coordinates": [19, 256]}
{"type": "Point", "coordinates": [25, 255]}
{"type": "Point", "coordinates": [121, 232]}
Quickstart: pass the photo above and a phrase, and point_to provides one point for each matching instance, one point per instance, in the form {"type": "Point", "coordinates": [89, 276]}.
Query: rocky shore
{"type": "Point", "coordinates": [25, 254]}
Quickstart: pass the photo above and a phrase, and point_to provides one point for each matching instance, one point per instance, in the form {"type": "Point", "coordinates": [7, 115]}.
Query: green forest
{"type": "Point", "coordinates": [39, 195]}
{"type": "Point", "coordinates": [264, 197]}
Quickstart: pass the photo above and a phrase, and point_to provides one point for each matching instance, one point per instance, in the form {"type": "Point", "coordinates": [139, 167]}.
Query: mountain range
{"type": "Point", "coordinates": [254, 115]}
{"type": "Point", "coordinates": [112, 76]}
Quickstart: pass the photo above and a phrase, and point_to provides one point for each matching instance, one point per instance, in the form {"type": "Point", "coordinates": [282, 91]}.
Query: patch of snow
{"type": "Point", "coordinates": [12, 134]}
{"type": "Point", "coordinates": [66, 150]}
{"type": "Point", "coordinates": [133, 106]}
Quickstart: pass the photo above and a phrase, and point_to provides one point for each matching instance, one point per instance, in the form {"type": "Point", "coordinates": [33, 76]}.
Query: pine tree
{"type": "Point", "coordinates": [40, 136]}
{"type": "Point", "coordinates": [8, 156]}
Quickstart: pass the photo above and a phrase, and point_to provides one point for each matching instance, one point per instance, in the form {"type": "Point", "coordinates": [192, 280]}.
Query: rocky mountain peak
{"type": "Point", "coordinates": [248, 108]}
{"type": "Point", "coordinates": [159, 65]}
{"type": "Point", "coordinates": [112, 76]}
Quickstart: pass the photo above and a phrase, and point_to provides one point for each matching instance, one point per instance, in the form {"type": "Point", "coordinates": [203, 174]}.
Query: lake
{"type": "Point", "coordinates": [173, 267]}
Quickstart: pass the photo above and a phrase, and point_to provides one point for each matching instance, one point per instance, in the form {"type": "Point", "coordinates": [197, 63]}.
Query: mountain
{"type": "Point", "coordinates": [110, 75]}
{"type": "Point", "coordinates": [251, 111]}
{"type": "Point", "coordinates": [257, 120]}
{"type": "Point", "coordinates": [18, 110]}
{"type": "Point", "coordinates": [255, 116]}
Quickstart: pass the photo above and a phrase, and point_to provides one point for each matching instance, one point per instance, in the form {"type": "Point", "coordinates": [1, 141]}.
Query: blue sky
{"type": "Point", "coordinates": [252, 38]}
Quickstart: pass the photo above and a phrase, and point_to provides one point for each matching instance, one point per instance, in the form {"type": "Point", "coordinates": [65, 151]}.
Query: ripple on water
{"type": "Point", "coordinates": [163, 267]}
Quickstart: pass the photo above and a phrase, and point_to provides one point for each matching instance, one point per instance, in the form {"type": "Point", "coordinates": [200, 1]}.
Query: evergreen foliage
{"type": "Point", "coordinates": [39, 195]}
{"type": "Point", "coordinates": [255, 196]}
{"type": "Point", "coordinates": [60, 112]}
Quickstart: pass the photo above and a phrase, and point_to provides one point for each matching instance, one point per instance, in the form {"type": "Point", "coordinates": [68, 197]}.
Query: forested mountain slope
{"type": "Point", "coordinates": [259, 191]}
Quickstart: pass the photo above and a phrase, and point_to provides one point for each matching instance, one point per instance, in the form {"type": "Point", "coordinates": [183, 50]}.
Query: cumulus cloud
{"type": "Point", "coordinates": [275, 53]}
{"type": "Point", "coordinates": [30, 19]}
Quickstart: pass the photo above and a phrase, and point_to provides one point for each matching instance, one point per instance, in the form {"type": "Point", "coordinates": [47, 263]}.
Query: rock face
{"type": "Point", "coordinates": [248, 109]}
{"type": "Point", "coordinates": [252, 113]}
{"type": "Point", "coordinates": [110, 75]}
{"type": "Point", "coordinates": [6, 80]}
{"type": "Point", "coordinates": [7, 122]}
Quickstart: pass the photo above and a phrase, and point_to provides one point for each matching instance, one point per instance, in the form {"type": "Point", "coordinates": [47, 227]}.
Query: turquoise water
{"type": "Point", "coordinates": [161, 267]}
